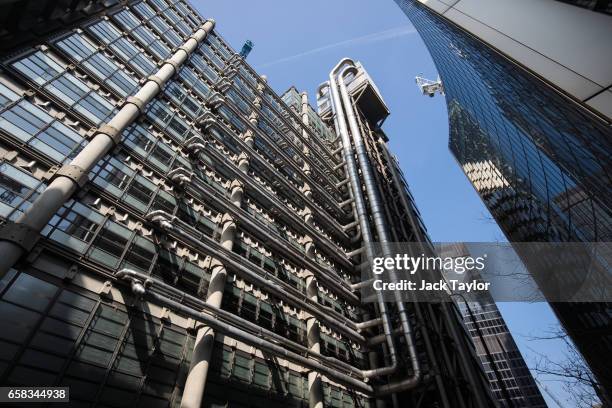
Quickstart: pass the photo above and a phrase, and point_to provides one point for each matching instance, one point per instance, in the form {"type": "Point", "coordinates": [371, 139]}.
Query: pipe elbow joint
{"type": "Point", "coordinates": [138, 288]}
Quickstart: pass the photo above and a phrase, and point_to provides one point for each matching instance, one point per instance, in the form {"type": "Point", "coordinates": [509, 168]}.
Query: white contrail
{"type": "Point", "coordinates": [366, 39]}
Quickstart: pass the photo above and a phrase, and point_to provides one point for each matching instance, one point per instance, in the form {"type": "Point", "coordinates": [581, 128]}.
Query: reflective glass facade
{"type": "Point", "coordinates": [501, 359]}
{"type": "Point", "coordinates": [602, 6]}
{"type": "Point", "coordinates": [541, 163]}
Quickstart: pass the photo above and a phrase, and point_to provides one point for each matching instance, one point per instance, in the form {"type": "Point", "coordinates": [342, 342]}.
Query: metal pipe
{"type": "Point", "coordinates": [422, 240]}
{"type": "Point", "coordinates": [364, 283]}
{"type": "Point", "coordinates": [204, 343]}
{"type": "Point", "coordinates": [380, 338]}
{"type": "Point", "coordinates": [359, 206]}
{"type": "Point", "coordinates": [339, 166]}
{"type": "Point", "coordinates": [313, 333]}
{"type": "Point", "coordinates": [332, 367]}
{"type": "Point", "coordinates": [235, 320]}
{"type": "Point", "coordinates": [338, 284]}
{"type": "Point", "coordinates": [273, 197]}
{"type": "Point", "coordinates": [369, 323]}
{"type": "Point", "coordinates": [342, 183]}
{"type": "Point", "coordinates": [345, 203]}
{"type": "Point", "coordinates": [260, 342]}
{"type": "Point", "coordinates": [195, 383]}
{"type": "Point", "coordinates": [330, 317]}
{"type": "Point", "coordinates": [313, 336]}
{"type": "Point", "coordinates": [348, 227]}
{"type": "Point", "coordinates": [356, 252]}
{"type": "Point", "coordinates": [63, 187]}
{"type": "Point", "coordinates": [376, 211]}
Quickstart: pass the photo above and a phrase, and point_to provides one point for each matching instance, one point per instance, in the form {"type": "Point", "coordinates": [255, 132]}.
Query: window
{"type": "Point", "coordinates": [142, 34]}
{"type": "Point", "coordinates": [238, 101]}
{"type": "Point", "coordinates": [184, 101]}
{"type": "Point", "coordinates": [191, 79]}
{"type": "Point", "coordinates": [203, 67]}
{"type": "Point", "coordinates": [105, 352]}
{"type": "Point", "coordinates": [146, 145]}
{"type": "Point", "coordinates": [80, 48]}
{"type": "Point", "coordinates": [73, 226]}
{"type": "Point", "coordinates": [232, 118]}
{"type": "Point", "coordinates": [177, 22]}
{"type": "Point", "coordinates": [213, 39]}
{"type": "Point", "coordinates": [31, 292]}
{"type": "Point", "coordinates": [194, 279]}
{"type": "Point", "coordinates": [242, 366]}
{"type": "Point", "coordinates": [207, 50]}
{"type": "Point", "coordinates": [140, 255]}
{"type": "Point", "coordinates": [192, 18]}
{"type": "Point", "coordinates": [261, 375]}
{"type": "Point", "coordinates": [41, 131]}
{"type": "Point", "coordinates": [168, 120]}
{"type": "Point", "coordinates": [121, 46]}
{"type": "Point", "coordinates": [158, 24]}
{"type": "Point", "coordinates": [18, 190]}
{"type": "Point", "coordinates": [7, 97]}
{"type": "Point", "coordinates": [112, 175]}
{"type": "Point", "coordinates": [46, 71]}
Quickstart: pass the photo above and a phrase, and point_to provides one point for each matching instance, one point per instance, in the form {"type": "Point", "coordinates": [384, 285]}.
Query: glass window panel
{"type": "Point", "coordinates": [31, 292]}
{"type": "Point", "coordinates": [7, 96]}
{"type": "Point", "coordinates": [34, 126]}
{"type": "Point", "coordinates": [39, 67]}
{"type": "Point", "coordinates": [20, 320]}
{"type": "Point", "coordinates": [18, 190]}
{"type": "Point", "coordinates": [74, 226]}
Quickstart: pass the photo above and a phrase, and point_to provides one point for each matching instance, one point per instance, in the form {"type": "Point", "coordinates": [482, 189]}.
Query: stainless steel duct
{"type": "Point", "coordinates": [360, 208]}
{"type": "Point", "coordinates": [327, 316]}
{"type": "Point", "coordinates": [375, 206]}
{"type": "Point", "coordinates": [244, 330]}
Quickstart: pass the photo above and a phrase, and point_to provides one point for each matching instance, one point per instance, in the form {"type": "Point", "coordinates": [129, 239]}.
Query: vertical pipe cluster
{"type": "Point", "coordinates": [360, 210]}
{"type": "Point", "coordinates": [384, 237]}
{"type": "Point", "coordinates": [65, 183]}
{"type": "Point", "coordinates": [195, 383]}
{"type": "Point", "coordinates": [379, 222]}
{"type": "Point", "coordinates": [378, 217]}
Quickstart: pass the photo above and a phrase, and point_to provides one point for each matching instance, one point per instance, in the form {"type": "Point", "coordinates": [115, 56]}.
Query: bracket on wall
{"type": "Point", "coordinates": [19, 234]}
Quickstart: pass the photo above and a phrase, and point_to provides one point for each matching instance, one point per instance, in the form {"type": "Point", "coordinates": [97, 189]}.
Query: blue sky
{"type": "Point", "coordinates": [298, 42]}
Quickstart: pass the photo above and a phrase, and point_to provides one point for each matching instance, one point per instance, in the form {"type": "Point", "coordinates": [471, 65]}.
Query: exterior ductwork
{"type": "Point", "coordinates": [360, 210]}
{"type": "Point", "coordinates": [209, 318]}
{"type": "Point", "coordinates": [378, 216]}
{"type": "Point", "coordinates": [353, 175]}
{"type": "Point", "coordinates": [228, 323]}
{"type": "Point", "coordinates": [325, 315]}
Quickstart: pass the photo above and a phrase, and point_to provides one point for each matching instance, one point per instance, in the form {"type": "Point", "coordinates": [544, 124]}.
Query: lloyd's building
{"type": "Point", "coordinates": [174, 233]}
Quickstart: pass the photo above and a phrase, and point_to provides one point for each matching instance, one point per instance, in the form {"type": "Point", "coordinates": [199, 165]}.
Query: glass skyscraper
{"type": "Point", "coordinates": [540, 160]}
{"type": "Point", "coordinates": [499, 354]}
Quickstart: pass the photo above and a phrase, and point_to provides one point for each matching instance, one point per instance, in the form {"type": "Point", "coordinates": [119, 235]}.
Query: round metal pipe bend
{"type": "Point", "coordinates": [373, 198]}
{"type": "Point", "coordinates": [359, 207]}
{"type": "Point", "coordinates": [224, 320]}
